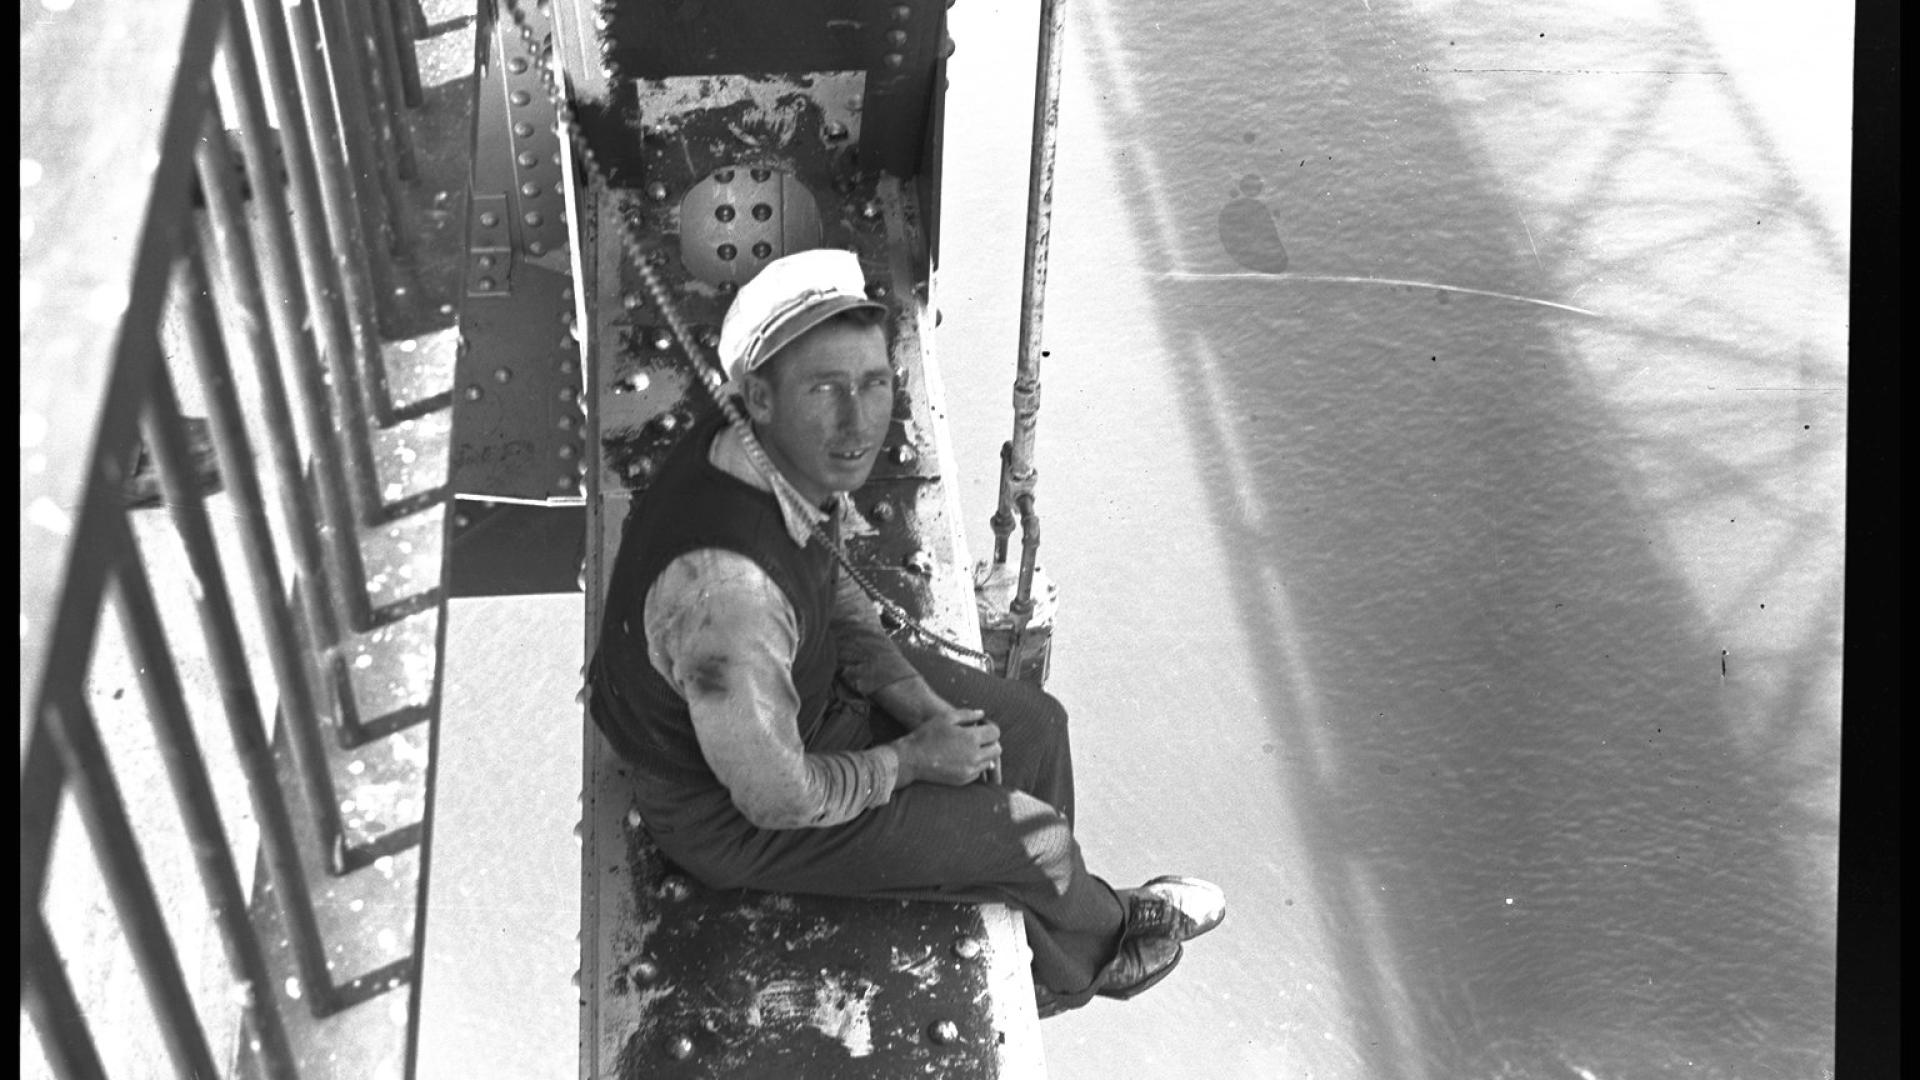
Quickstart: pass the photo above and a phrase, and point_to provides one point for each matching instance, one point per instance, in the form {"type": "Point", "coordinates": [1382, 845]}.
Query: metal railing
{"type": "Point", "coordinates": [257, 275]}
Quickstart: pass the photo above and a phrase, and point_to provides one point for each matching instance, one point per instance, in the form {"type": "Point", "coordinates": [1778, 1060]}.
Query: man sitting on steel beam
{"type": "Point", "coordinates": [782, 741]}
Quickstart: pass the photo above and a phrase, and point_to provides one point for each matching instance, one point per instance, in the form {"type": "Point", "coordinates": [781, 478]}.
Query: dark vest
{"type": "Point", "coordinates": [693, 505]}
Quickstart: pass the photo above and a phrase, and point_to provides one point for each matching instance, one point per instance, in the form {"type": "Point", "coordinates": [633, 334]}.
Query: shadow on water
{"type": "Point", "coordinates": [1558, 830]}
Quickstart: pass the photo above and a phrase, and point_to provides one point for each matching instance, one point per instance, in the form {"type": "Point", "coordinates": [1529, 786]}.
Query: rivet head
{"type": "Point", "coordinates": [727, 252]}
{"type": "Point", "coordinates": [489, 219]}
{"type": "Point", "coordinates": [486, 284]}
{"type": "Point", "coordinates": [903, 454]}
{"type": "Point", "coordinates": [528, 159]}
{"type": "Point", "coordinates": [461, 521]}
{"type": "Point", "coordinates": [502, 375]}
{"type": "Point", "coordinates": [870, 210]}
{"type": "Point", "coordinates": [657, 191]}
{"type": "Point", "coordinates": [834, 130]}
{"type": "Point", "coordinates": [473, 393]}
{"type": "Point", "coordinates": [675, 888]}
{"type": "Point", "coordinates": [530, 190]}
{"type": "Point", "coordinates": [484, 262]}
{"type": "Point", "coordinates": [881, 512]}
{"type": "Point", "coordinates": [760, 176]}
{"type": "Point", "coordinates": [523, 129]}
{"type": "Point", "coordinates": [645, 972]}
{"type": "Point", "coordinates": [944, 1032]}
{"type": "Point", "coordinates": [680, 1048]}
{"type": "Point", "coordinates": [763, 250]}
{"type": "Point", "coordinates": [661, 341]}
{"type": "Point", "coordinates": [919, 562]}
{"type": "Point", "coordinates": [709, 337]}
{"type": "Point", "coordinates": [762, 211]}
{"type": "Point", "coordinates": [517, 65]}
{"type": "Point", "coordinates": [535, 247]}
{"type": "Point", "coordinates": [966, 948]}
{"type": "Point", "coordinates": [900, 13]}
{"type": "Point", "coordinates": [893, 61]}
{"type": "Point", "coordinates": [723, 176]}
{"type": "Point", "coordinates": [897, 38]}
{"type": "Point", "coordinates": [520, 97]}
{"type": "Point", "coordinates": [565, 452]}
{"type": "Point", "coordinates": [632, 300]}
{"type": "Point", "coordinates": [566, 393]}
{"type": "Point", "coordinates": [669, 421]}
{"type": "Point", "coordinates": [567, 483]}
{"type": "Point", "coordinates": [534, 217]}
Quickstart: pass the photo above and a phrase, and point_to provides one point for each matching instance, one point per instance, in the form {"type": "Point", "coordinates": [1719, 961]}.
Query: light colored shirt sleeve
{"type": "Point", "coordinates": [724, 635]}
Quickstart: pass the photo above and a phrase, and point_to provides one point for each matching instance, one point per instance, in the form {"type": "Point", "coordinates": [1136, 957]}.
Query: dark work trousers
{"type": "Point", "coordinates": [1011, 842]}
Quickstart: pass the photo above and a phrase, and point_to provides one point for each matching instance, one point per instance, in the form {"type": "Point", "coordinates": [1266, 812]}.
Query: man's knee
{"type": "Point", "coordinates": [1047, 840]}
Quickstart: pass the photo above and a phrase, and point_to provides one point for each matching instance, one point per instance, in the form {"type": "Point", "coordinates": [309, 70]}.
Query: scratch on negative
{"type": "Point", "coordinates": [1183, 275]}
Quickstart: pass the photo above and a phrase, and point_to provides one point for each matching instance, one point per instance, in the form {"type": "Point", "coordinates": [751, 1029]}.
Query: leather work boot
{"type": "Point", "coordinates": [1141, 963]}
{"type": "Point", "coordinates": [1180, 908]}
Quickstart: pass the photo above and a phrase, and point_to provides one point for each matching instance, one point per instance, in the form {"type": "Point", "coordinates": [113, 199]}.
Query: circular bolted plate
{"type": "Point", "coordinates": [739, 219]}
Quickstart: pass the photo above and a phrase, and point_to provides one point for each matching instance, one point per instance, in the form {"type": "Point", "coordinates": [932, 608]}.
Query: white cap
{"type": "Point", "coordinates": [791, 296]}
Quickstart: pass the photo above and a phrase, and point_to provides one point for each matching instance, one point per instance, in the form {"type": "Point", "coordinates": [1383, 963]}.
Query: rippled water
{"type": "Point", "coordinates": [1442, 464]}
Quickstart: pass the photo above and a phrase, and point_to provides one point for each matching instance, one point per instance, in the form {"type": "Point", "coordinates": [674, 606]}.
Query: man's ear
{"type": "Point", "coordinates": [758, 392]}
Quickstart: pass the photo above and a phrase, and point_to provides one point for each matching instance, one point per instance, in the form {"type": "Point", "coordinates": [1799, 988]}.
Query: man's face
{"type": "Point", "coordinates": [823, 407]}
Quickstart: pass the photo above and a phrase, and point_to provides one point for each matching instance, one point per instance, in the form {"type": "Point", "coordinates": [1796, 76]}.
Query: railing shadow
{"type": "Point", "coordinates": [1569, 803]}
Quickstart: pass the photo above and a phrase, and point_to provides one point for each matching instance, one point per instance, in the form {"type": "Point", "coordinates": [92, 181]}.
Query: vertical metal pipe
{"type": "Point", "coordinates": [225, 233]}
{"type": "Point", "coordinates": [330, 282]}
{"type": "Point", "coordinates": [230, 440]}
{"type": "Point", "coordinates": [237, 693]}
{"type": "Point", "coordinates": [356, 93]}
{"type": "Point", "coordinates": [405, 37]}
{"type": "Point", "coordinates": [346, 231]}
{"type": "Point", "coordinates": [104, 814]}
{"type": "Point", "coordinates": [49, 1000]}
{"type": "Point", "coordinates": [378, 25]}
{"type": "Point", "coordinates": [179, 749]}
{"type": "Point", "coordinates": [1026, 387]}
